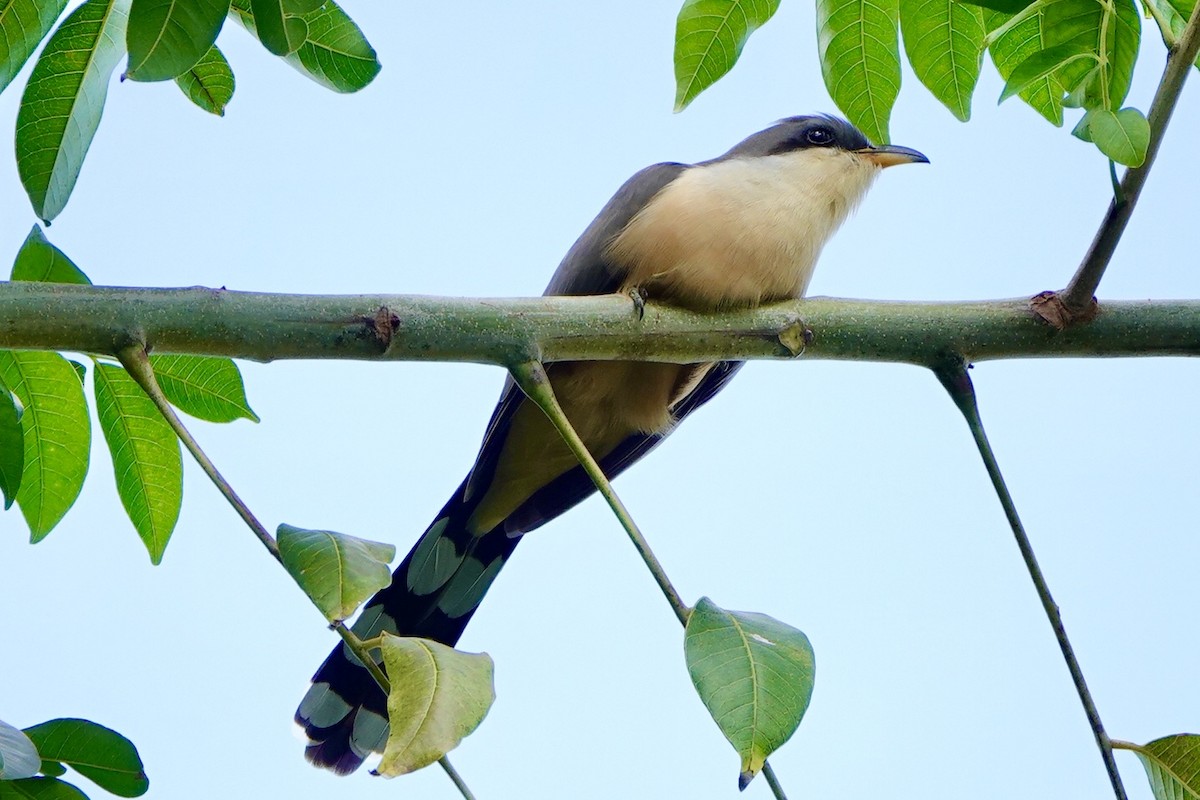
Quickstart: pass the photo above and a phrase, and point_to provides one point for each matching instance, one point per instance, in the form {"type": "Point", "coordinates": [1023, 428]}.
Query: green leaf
{"type": "Point", "coordinates": [1082, 48]}
{"type": "Point", "coordinates": [1171, 17]}
{"type": "Point", "coordinates": [1075, 25]}
{"type": "Point", "coordinates": [1080, 131]}
{"type": "Point", "coordinates": [207, 387]}
{"type": "Point", "coordinates": [1172, 765]}
{"type": "Point", "coordinates": [1111, 33]}
{"type": "Point", "coordinates": [23, 24]}
{"type": "Point", "coordinates": [64, 100]}
{"type": "Point", "coordinates": [40, 261]}
{"type": "Point", "coordinates": [755, 676]}
{"type": "Point", "coordinates": [709, 37]}
{"type": "Point", "coordinates": [1003, 6]}
{"type": "Point", "coordinates": [103, 756]}
{"type": "Point", "coordinates": [166, 38]}
{"type": "Point", "coordinates": [12, 447]}
{"type": "Point", "coordinates": [338, 572]}
{"type": "Point", "coordinates": [944, 43]}
{"type": "Point", "coordinates": [57, 434]}
{"type": "Point", "coordinates": [18, 755]}
{"type": "Point", "coordinates": [1125, 36]}
{"type": "Point", "coordinates": [302, 6]}
{"type": "Point", "coordinates": [145, 456]}
{"type": "Point", "coordinates": [860, 60]}
{"type": "Point", "coordinates": [209, 84]}
{"type": "Point", "coordinates": [335, 54]}
{"type": "Point", "coordinates": [1014, 40]}
{"type": "Point", "coordinates": [53, 769]}
{"type": "Point", "coordinates": [278, 31]}
{"type": "Point", "coordinates": [40, 789]}
{"type": "Point", "coordinates": [439, 695]}
{"type": "Point", "coordinates": [1121, 135]}
{"type": "Point", "coordinates": [1042, 65]}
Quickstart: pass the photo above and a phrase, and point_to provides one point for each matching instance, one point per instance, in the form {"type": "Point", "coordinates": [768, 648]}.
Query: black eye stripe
{"type": "Point", "coordinates": [811, 133]}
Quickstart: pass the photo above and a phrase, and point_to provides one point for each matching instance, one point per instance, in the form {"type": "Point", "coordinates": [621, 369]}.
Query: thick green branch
{"type": "Point", "coordinates": [266, 327]}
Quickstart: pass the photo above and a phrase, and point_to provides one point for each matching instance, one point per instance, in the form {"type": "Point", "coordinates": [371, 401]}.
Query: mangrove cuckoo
{"type": "Point", "coordinates": [734, 232]}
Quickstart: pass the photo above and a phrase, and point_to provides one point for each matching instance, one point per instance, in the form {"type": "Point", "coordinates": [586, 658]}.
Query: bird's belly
{"type": "Point", "coordinates": [606, 402]}
{"type": "Point", "coordinates": [713, 275]}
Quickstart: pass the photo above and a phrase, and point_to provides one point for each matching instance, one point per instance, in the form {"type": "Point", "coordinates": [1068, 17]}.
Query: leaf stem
{"type": "Point", "coordinates": [1164, 25]}
{"type": "Point", "coordinates": [1015, 20]}
{"type": "Point", "coordinates": [362, 651]}
{"type": "Point", "coordinates": [1079, 294]}
{"type": "Point", "coordinates": [773, 782]}
{"type": "Point", "coordinates": [952, 373]}
{"type": "Point", "coordinates": [531, 377]}
{"type": "Point", "coordinates": [459, 783]}
{"type": "Point", "coordinates": [137, 363]}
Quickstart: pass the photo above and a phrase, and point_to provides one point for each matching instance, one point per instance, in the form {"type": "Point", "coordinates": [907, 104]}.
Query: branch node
{"type": "Point", "coordinates": [1055, 312]}
{"type": "Point", "coordinates": [796, 336]}
{"type": "Point", "coordinates": [383, 325]}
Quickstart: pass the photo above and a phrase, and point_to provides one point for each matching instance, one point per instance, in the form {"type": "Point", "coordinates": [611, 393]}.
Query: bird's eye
{"type": "Point", "coordinates": [819, 136]}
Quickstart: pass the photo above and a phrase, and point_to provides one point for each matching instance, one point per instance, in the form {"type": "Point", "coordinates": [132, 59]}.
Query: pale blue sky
{"type": "Point", "coordinates": [845, 499]}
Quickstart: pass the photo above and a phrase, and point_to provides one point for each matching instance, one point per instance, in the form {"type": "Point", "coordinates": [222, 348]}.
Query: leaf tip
{"type": "Point", "coordinates": [744, 780]}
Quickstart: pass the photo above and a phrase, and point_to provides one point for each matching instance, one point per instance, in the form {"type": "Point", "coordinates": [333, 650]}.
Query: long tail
{"type": "Point", "coordinates": [433, 594]}
{"type": "Point", "coordinates": [438, 586]}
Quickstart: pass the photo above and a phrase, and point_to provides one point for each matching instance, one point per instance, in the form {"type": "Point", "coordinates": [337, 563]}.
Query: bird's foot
{"type": "Point", "coordinates": [638, 295]}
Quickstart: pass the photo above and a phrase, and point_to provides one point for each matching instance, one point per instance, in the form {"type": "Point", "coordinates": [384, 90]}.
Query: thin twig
{"type": "Point", "coordinates": [1080, 291]}
{"type": "Point", "coordinates": [773, 782]}
{"type": "Point", "coordinates": [456, 778]}
{"type": "Point", "coordinates": [531, 377]}
{"type": "Point", "coordinates": [362, 651]}
{"type": "Point", "coordinates": [952, 373]}
{"type": "Point", "coordinates": [137, 364]}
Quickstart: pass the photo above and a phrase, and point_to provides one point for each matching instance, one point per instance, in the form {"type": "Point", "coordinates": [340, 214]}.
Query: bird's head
{"type": "Point", "coordinates": [821, 136]}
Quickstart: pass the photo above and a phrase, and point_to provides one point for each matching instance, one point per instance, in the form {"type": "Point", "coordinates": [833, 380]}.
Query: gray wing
{"type": "Point", "coordinates": [586, 268]}
{"type": "Point", "coordinates": [574, 486]}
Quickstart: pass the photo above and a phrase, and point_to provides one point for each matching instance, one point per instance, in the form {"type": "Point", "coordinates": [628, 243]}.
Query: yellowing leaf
{"type": "Point", "coordinates": [439, 695]}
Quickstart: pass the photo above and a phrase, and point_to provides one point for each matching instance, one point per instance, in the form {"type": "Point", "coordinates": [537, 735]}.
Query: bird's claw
{"type": "Point", "coordinates": [638, 295]}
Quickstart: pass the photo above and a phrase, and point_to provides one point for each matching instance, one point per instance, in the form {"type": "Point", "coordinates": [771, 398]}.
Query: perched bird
{"type": "Point", "coordinates": [734, 232]}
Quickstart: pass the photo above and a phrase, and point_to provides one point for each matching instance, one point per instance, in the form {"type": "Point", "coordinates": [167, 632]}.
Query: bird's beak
{"type": "Point", "coordinates": [889, 155]}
